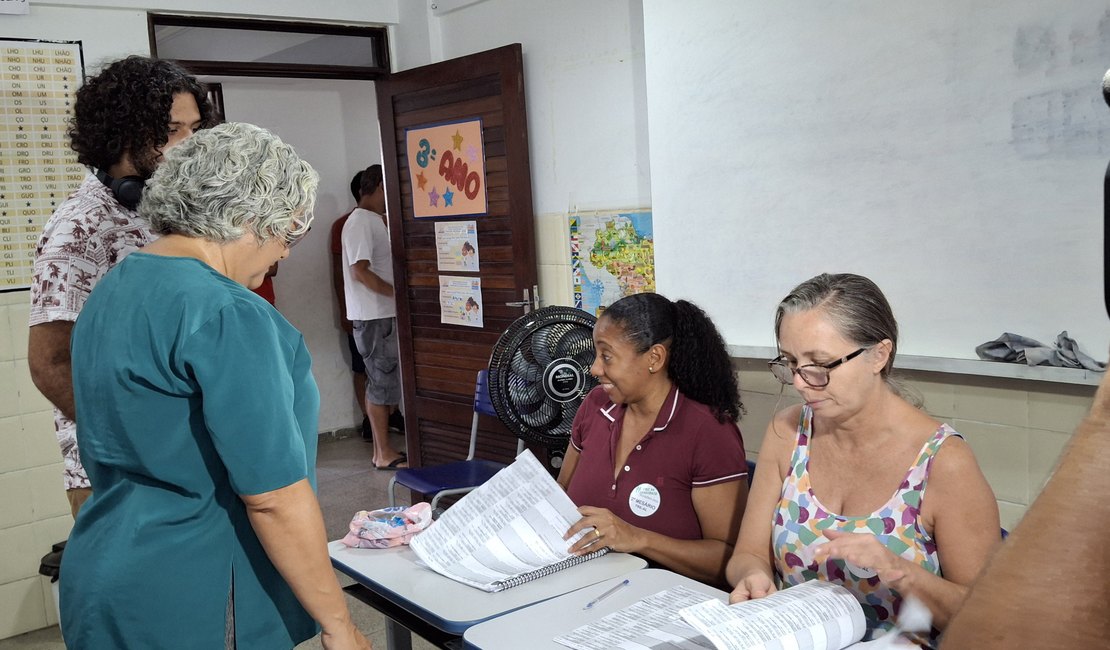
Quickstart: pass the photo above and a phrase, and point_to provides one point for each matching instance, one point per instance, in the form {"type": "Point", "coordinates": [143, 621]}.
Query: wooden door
{"type": "Point", "coordinates": [439, 362]}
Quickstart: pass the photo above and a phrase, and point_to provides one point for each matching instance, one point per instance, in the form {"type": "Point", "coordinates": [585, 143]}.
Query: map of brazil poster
{"type": "Point", "coordinates": [612, 255]}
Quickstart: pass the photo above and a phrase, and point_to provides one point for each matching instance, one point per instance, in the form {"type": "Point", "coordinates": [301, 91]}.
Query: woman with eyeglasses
{"type": "Point", "coordinates": [656, 461]}
{"type": "Point", "coordinates": [857, 485]}
{"type": "Point", "coordinates": [197, 417]}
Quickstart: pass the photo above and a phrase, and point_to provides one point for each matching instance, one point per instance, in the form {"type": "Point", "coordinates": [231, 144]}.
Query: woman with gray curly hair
{"type": "Point", "coordinates": [198, 419]}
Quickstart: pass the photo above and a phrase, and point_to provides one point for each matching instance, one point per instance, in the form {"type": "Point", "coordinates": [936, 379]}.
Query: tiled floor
{"type": "Point", "coordinates": [346, 484]}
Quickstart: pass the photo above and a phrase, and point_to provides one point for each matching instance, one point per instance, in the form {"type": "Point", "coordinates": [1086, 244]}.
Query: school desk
{"type": "Point", "coordinates": [414, 598]}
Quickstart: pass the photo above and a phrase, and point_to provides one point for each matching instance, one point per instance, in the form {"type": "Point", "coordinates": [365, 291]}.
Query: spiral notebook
{"type": "Point", "coordinates": [507, 532]}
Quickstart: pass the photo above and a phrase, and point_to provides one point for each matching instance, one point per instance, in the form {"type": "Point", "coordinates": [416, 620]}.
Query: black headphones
{"type": "Point", "coordinates": [127, 190]}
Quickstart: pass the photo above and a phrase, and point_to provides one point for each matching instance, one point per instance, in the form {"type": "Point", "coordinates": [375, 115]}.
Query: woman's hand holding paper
{"type": "Point", "coordinates": [608, 530]}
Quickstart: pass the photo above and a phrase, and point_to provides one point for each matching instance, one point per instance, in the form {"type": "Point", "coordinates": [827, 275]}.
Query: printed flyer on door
{"type": "Point", "coordinates": [460, 300]}
{"type": "Point", "coordinates": [457, 245]}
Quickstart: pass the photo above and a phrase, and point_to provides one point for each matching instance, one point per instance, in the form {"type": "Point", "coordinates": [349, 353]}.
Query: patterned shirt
{"type": "Point", "coordinates": [800, 519]}
{"type": "Point", "coordinates": [88, 234]}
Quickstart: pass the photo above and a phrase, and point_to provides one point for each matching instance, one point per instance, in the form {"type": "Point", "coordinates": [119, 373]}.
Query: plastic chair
{"type": "Point", "coordinates": [458, 477]}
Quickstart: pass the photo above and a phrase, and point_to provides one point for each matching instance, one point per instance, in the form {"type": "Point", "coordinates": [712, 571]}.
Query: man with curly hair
{"type": "Point", "coordinates": [124, 119]}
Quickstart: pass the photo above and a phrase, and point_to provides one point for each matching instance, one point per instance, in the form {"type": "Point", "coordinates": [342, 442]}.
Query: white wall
{"type": "Point", "coordinates": [410, 40]}
{"type": "Point", "coordinates": [334, 126]}
{"type": "Point", "coordinates": [105, 34]}
{"type": "Point", "coordinates": [584, 84]}
{"type": "Point", "coordinates": [111, 30]}
{"type": "Point", "coordinates": [919, 144]}
{"type": "Point", "coordinates": [344, 11]}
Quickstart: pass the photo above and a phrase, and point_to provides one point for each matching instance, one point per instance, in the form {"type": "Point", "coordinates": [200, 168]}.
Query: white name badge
{"type": "Point", "coordinates": [644, 500]}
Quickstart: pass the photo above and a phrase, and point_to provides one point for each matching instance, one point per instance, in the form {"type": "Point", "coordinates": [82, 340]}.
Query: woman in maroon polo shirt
{"type": "Point", "coordinates": [656, 461]}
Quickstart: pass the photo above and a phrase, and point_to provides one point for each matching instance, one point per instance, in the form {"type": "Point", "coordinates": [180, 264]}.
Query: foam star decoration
{"type": "Point", "coordinates": [457, 139]}
{"type": "Point", "coordinates": [421, 180]}
{"type": "Point", "coordinates": [472, 153]}
{"type": "Point", "coordinates": [433, 198]}
{"type": "Point", "coordinates": [448, 196]}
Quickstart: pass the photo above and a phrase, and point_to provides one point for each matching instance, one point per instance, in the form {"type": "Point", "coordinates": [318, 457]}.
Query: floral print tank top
{"type": "Point", "coordinates": [800, 519]}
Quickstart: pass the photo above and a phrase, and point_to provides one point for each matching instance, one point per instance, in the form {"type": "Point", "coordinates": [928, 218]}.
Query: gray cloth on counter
{"type": "Point", "coordinates": [1016, 348]}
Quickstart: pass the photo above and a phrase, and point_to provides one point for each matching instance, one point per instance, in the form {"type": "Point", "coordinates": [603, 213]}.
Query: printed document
{"type": "Point", "coordinates": [652, 622]}
{"type": "Point", "coordinates": [811, 616]}
{"type": "Point", "coordinates": [507, 531]}
{"type": "Point", "coordinates": [814, 615]}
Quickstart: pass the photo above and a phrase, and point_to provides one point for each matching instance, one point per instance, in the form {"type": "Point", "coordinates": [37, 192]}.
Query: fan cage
{"type": "Point", "coordinates": [539, 373]}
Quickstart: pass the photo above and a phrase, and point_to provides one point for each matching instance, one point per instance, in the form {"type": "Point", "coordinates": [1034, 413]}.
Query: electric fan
{"type": "Point", "coordinates": [539, 373]}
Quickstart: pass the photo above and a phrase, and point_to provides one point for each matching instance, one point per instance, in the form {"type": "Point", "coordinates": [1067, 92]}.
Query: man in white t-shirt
{"type": "Point", "coordinates": [368, 290]}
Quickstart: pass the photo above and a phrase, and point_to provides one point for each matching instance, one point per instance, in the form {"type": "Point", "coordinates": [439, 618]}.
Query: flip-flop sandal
{"type": "Point", "coordinates": [392, 467]}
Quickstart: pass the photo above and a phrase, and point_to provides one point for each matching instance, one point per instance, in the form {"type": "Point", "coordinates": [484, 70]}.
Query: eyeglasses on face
{"type": "Point", "coordinates": [297, 230]}
{"type": "Point", "coordinates": [815, 375]}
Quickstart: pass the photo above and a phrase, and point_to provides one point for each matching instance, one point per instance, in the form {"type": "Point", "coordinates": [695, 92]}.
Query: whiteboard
{"type": "Point", "coordinates": [951, 151]}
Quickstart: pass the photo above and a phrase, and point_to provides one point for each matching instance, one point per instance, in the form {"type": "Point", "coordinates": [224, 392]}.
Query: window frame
{"type": "Point", "coordinates": [378, 35]}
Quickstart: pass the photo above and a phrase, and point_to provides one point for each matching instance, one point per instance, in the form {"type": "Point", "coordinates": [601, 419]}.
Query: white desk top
{"type": "Point", "coordinates": [452, 606]}
{"type": "Point", "coordinates": [535, 627]}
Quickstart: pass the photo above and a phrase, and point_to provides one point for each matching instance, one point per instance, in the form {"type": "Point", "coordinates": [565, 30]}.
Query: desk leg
{"type": "Point", "coordinates": [400, 624]}
{"type": "Point", "coordinates": [397, 636]}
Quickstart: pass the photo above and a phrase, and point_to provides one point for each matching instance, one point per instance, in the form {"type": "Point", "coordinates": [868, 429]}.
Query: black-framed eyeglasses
{"type": "Point", "coordinates": [815, 375]}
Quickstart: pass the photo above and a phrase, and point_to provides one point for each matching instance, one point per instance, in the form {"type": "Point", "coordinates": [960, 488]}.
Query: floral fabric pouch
{"type": "Point", "coordinates": [388, 527]}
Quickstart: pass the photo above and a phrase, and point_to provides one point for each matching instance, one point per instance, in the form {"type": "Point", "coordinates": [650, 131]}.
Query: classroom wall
{"type": "Point", "coordinates": [915, 143]}
{"type": "Point", "coordinates": [341, 11]}
{"type": "Point", "coordinates": [34, 512]}
{"type": "Point", "coordinates": [410, 40]}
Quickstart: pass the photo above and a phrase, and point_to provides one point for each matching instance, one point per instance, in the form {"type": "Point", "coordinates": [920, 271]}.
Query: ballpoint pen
{"type": "Point", "coordinates": [609, 592]}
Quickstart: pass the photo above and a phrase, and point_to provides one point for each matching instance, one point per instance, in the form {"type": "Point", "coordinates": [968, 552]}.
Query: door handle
{"type": "Point", "coordinates": [526, 303]}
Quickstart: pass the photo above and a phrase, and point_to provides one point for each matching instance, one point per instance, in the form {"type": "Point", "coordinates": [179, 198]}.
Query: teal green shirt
{"type": "Point", "coordinates": [190, 390]}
